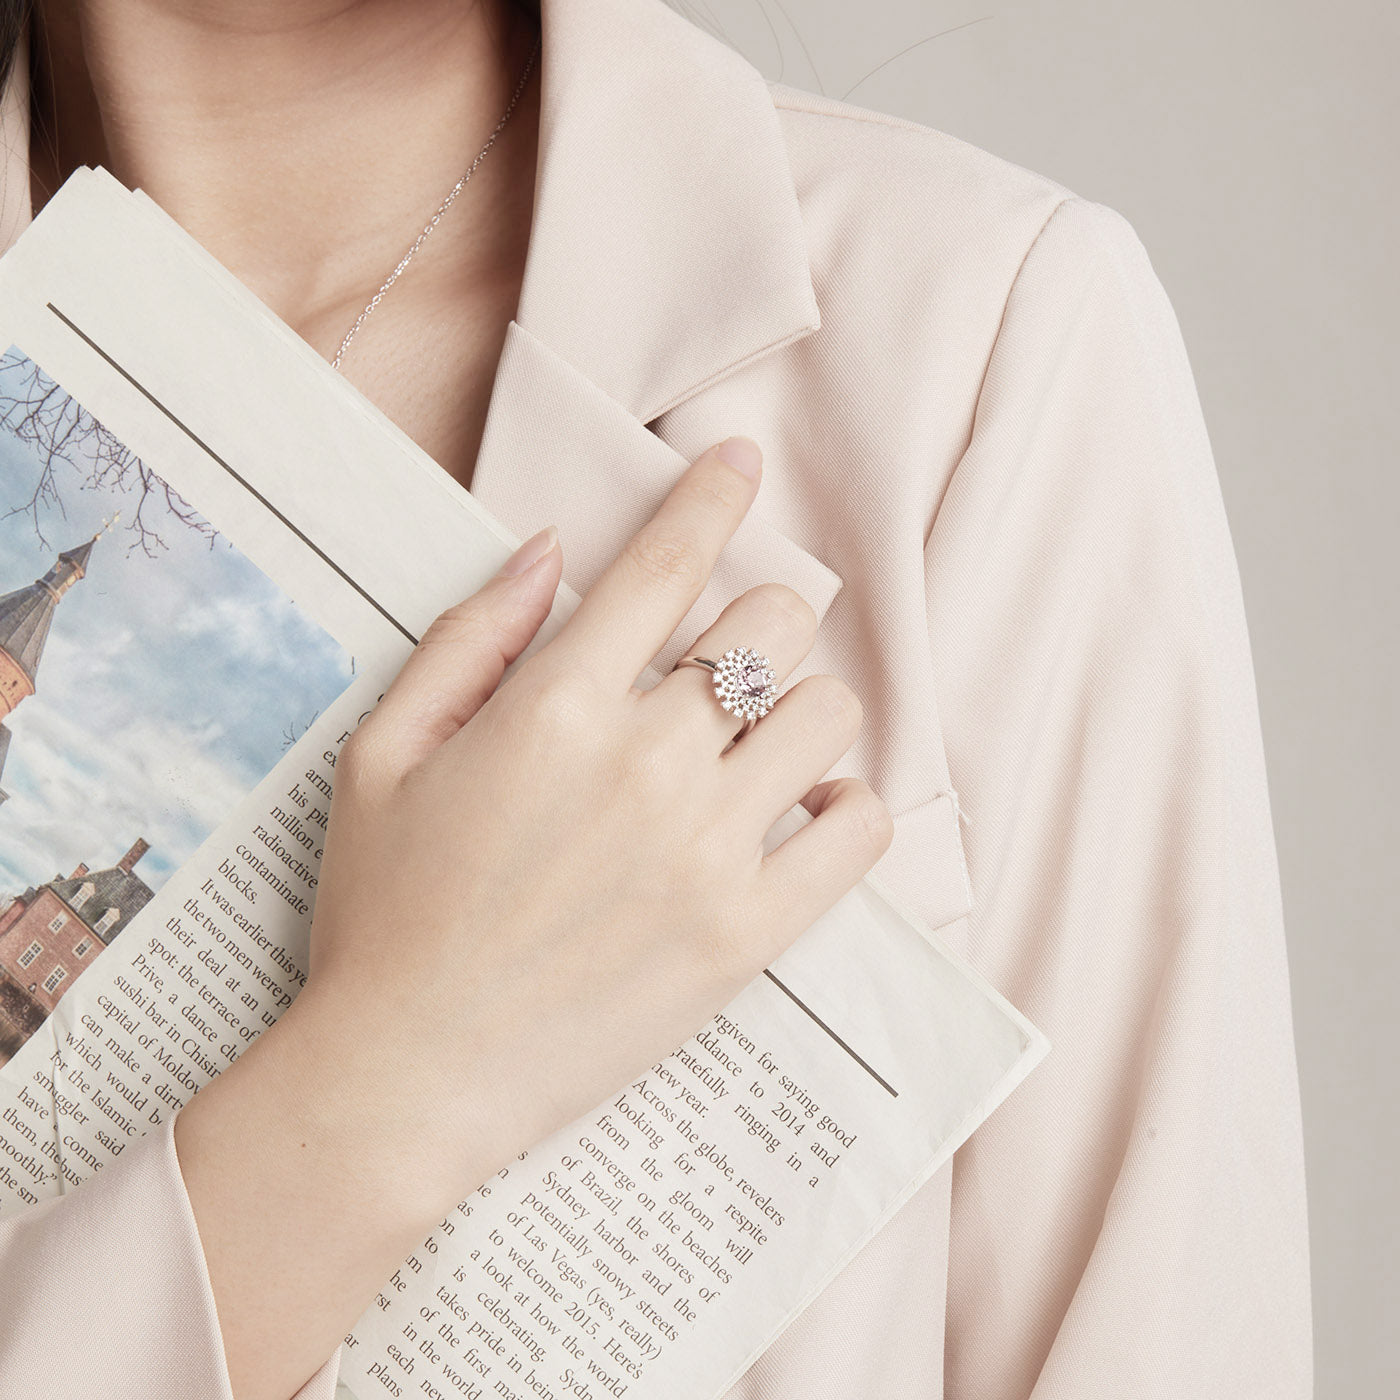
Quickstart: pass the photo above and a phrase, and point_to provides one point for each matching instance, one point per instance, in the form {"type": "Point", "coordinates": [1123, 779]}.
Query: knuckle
{"type": "Point", "coordinates": [462, 622]}
{"type": "Point", "coordinates": [363, 757]}
{"type": "Point", "coordinates": [351, 758]}
{"type": "Point", "coordinates": [871, 816]}
{"type": "Point", "coordinates": [720, 491]}
{"type": "Point", "coordinates": [553, 705]}
{"type": "Point", "coordinates": [668, 557]}
{"type": "Point", "coordinates": [710, 855]}
{"type": "Point", "coordinates": [839, 705]}
{"type": "Point", "coordinates": [785, 608]}
{"type": "Point", "coordinates": [647, 771]}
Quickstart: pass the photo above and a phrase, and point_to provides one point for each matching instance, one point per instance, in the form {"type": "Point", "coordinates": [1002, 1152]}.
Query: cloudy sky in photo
{"type": "Point", "coordinates": [166, 691]}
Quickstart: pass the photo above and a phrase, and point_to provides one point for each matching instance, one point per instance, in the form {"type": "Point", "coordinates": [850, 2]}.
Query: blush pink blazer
{"type": "Point", "coordinates": [987, 471]}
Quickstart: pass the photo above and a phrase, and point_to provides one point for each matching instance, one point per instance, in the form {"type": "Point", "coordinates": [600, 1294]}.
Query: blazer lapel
{"type": "Point", "coordinates": [666, 250]}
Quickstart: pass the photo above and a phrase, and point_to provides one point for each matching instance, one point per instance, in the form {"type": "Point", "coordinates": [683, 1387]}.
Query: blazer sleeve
{"type": "Point", "coordinates": [104, 1291]}
{"type": "Point", "coordinates": [1131, 1222]}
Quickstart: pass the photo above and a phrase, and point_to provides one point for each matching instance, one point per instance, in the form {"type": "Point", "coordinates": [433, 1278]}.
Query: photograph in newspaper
{"type": "Point", "coordinates": [150, 676]}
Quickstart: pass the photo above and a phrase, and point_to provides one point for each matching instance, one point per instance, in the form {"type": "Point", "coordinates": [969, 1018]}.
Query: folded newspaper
{"type": "Point", "coordinates": [215, 553]}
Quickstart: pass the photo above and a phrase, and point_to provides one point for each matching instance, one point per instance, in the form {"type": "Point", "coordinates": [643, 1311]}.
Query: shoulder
{"type": "Point", "coordinates": [930, 256]}
{"type": "Point", "coordinates": [908, 198]}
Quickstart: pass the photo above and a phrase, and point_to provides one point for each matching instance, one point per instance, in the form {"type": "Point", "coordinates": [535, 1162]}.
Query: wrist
{"type": "Point", "coordinates": [313, 1124]}
{"type": "Point", "coordinates": [387, 1105]}
{"type": "Point", "coordinates": [310, 1181]}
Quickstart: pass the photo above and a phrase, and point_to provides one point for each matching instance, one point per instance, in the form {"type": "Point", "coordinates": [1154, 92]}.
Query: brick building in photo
{"type": "Point", "coordinates": [52, 932]}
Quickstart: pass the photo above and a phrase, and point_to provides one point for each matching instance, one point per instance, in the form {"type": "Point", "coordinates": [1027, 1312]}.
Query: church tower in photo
{"type": "Point", "coordinates": [25, 618]}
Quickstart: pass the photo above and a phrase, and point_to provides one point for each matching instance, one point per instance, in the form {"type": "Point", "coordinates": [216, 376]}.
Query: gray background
{"type": "Point", "coordinates": [1253, 145]}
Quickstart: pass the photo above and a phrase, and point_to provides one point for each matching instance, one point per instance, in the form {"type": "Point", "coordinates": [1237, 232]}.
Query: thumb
{"type": "Point", "coordinates": [460, 659]}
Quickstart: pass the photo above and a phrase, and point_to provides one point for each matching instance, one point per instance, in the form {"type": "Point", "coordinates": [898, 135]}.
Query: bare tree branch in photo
{"type": "Point", "coordinates": [69, 444]}
{"type": "Point", "coordinates": [291, 732]}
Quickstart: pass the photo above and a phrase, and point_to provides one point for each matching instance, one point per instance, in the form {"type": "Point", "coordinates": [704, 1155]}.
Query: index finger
{"type": "Point", "coordinates": [640, 598]}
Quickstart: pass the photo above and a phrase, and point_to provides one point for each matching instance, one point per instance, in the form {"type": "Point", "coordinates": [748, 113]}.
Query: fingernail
{"type": "Point", "coordinates": [741, 453]}
{"type": "Point", "coordinates": [530, 553]}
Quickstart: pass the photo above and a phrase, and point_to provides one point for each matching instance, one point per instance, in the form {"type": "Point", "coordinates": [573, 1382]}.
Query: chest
{"type": "Point", "coordinates": [426, 357]}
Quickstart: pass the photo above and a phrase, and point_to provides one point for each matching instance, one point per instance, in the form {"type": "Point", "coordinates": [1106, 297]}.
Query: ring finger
{"type": "Point", "coordinates": [774, 620]}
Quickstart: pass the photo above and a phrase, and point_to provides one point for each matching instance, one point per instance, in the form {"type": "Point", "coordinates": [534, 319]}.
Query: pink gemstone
{"type": "Point", "coordinates": [753, 680]}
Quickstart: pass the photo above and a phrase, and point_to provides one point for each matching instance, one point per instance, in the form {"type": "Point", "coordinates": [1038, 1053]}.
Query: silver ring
{"type": "Point", "coordinates": [743, 681]}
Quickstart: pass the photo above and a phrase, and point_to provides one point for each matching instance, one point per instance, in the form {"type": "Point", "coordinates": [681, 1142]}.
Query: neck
{"type": "Point", "coordinates": [303, 142]}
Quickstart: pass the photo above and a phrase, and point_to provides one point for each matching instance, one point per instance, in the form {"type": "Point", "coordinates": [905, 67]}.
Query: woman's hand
{"type": "Point", "coordinates": [529, 896]}
{"type": "Point", "coordinates": [530, 892]}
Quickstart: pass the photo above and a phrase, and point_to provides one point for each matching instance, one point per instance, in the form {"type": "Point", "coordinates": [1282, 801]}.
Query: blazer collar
{"type": "Point", "coordinates": [666, 250]}
{"type": "Point", "coordinates": [667, 244]}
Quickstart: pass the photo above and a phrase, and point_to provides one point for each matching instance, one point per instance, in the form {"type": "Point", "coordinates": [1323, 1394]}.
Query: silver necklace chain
{"type": "Point", "coordinates": [442, 209]}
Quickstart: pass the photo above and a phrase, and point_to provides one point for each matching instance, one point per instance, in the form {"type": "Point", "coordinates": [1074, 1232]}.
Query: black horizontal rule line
{"type": "Point", "coordinates": [797, 1000]}
{"type": "Point", "coordinates": [242, 481]}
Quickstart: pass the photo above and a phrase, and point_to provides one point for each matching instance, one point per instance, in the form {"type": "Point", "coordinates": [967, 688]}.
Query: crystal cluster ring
{"type": "Point", "coordinates": [743, 681]}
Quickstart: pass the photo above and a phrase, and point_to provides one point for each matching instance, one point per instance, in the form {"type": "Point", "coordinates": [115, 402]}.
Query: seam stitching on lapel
{"type": "Point", "coordinates": [724, 373]}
